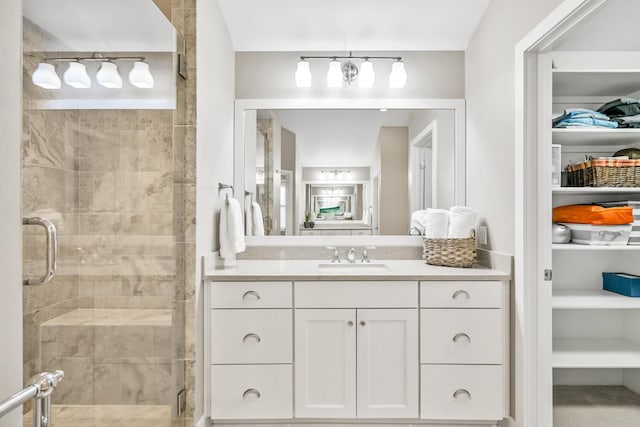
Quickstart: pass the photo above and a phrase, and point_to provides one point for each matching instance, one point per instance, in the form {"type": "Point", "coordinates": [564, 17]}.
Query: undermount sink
{"type": "Point", "coordinates": [356, 266]}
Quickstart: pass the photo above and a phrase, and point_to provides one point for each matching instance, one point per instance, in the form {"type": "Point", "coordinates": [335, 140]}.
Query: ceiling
{"type": "Point", "coordinates": [103, 26]}
{"type": "Point", "coordinates": [338, 137]}
{"type": "Point", "coordinates": [357, 25]}
{"type": "Point", "coordinates": [615, 24]}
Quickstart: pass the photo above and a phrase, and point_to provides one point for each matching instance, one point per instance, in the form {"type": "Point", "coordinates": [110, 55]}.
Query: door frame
{"type": "Point", "coordinates": [426, 138]}
{"type": "Point", "coordinates": [533, 372]}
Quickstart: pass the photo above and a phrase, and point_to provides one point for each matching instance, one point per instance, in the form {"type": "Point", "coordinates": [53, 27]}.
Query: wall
{"type": "Point", "coordinates": [490, 86]}
{"type": "Point", "coordinates": [394, 155]}
{"type": "Point", "coordinates": [10, 228]}
{"type": "Point", "coordinates": [430, 75]}
{"type": "Point", "coordinates": [215, 110]}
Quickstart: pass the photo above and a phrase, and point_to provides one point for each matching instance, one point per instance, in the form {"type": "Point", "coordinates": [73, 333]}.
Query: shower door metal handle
{"type": "Point", "coordinates": [52, 249]}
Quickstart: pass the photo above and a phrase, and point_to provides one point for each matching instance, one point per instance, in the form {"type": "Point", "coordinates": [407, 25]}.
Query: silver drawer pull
{"type": "Point", "coordinates": [459, 335]}
{"type": "Point", "coordinates": [461, 392]}
{"type": "Point", "coordinates": [461, 293]}
{"type": "Point", "coordinates": [251, 392]}
{"type": "Point", "coordinates": [251, 336]}
{"type": "Point", "coordinates": [250, 295]}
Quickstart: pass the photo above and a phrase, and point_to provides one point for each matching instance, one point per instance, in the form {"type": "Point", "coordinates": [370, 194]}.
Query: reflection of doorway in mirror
{"type": "Point", "coordinates": [286, 203]}
{"type": "Point", "coordinates": [423, 174]}
{"type": "Point", "coordinates": [375, 205]}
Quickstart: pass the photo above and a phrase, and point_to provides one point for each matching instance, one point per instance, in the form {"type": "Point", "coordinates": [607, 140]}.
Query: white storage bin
{"type": "Point", "coordinates": [603, 235]}
{"type": "Point", "coordinates": [634, 238]}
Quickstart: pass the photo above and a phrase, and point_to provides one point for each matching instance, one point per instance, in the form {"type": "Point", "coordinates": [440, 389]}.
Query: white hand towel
{"type": "Point", "coordinates": [437, 224]}
{"type": "Point", "coordinates": [462, 222]}
{"type": "Point", "coordinates": [258, 223]}
{"type": "Point", "coordinates": [231, 229]}
{"type": "Point", "coordinates": [248, 220]}
{"type": "Point", "coordinates": [418, 222]}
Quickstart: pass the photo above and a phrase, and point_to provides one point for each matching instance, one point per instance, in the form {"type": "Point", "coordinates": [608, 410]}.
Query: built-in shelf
{"type": "Point", "coordinates": [596, 190]}
{"type": "Point", "coordinates": [577, 247]}
{"type": "Point", "coordinates": [595, 136]}
{"type": "Point", "coordinates": [592, 299]}
{"type": "Point", "coordinates": [595, 353]}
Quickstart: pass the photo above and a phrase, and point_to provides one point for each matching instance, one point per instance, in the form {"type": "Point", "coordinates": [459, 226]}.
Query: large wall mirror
{"type": "Point", "coordinates": [308, 168]}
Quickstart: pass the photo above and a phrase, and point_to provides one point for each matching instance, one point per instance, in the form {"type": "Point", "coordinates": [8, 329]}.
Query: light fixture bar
{"type": "Point", "coordinates": [95, 57]}
{"type": "Point", "coordinates": [395, 58]}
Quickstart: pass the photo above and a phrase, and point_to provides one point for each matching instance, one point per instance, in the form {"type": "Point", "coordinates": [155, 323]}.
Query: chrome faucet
{"type": "Point", "coordinates": [365, 255]}
{"type": "Point", "coordinates": [351, 256]}
{"type": "Point", "coordinates": [336, 256]}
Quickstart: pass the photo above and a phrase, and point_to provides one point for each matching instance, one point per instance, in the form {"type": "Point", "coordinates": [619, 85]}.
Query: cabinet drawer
{"type": "Point", "coordinates": [363, 294]}
{"type": "Point", "coordinates": [251, 391]}
{"type": "Point", "coordinates": [251, 294]}
{"type": "Point", "coordinates": [462, 392]}
{"type": "Point", "coordinates": [471, 294]}
{"type": "Point", "coordinates": [251, 336]}
{"type": "Point", "coordinates": [461, 336]}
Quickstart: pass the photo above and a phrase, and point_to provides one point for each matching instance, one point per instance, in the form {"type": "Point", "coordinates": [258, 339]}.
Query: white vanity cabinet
{"type": "Point", "coordinates": [359, 350]}
{"type": "Point", "coordinates": [463, 350]}
{"type": "Point", "coordinates": [250, 350]}
{"type": "Point", "coordinates": [357, 361]}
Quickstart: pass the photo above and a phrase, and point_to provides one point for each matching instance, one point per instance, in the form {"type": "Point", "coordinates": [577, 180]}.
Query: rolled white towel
{"type": "Point", "coordinates": [231, 229]}
{"type": "Point", "coordinates": [462, 222]}
{"type": "Point", "coordinates": [437, 223]}
{"type": "Point", "coordinates": [418, 222]}
{"type": "Point", "coordinates": [258, 223]}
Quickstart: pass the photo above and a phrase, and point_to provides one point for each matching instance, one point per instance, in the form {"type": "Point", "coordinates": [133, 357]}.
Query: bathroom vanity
{"type": "Point", "coordinates": [398, 341]}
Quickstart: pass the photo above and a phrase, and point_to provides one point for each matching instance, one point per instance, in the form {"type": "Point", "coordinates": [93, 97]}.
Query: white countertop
{"type": "Point", "coordinates": [323, 270]}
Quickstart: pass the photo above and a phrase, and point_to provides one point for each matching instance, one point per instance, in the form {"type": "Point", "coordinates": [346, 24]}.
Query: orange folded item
{"type": "Point", "coordinates": [593, 214]}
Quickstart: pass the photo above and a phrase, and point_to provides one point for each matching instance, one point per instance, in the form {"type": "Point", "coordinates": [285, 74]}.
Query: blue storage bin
{"type": "Point", "coordinates": [621, 283]}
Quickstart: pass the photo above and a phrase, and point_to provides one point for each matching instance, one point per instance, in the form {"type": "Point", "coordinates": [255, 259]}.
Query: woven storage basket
{"type": "Point", "coordinates": [605, 173]}
{"type": "Point", "coordinates": [450, 252]}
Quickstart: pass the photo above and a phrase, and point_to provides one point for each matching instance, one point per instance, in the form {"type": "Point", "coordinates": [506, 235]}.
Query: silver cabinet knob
{"type": "Point", "coordinates": [363, 323]}
{"type": "Point", "coordinates": [350, 323]}
{"type": "Point", "coordinates": [461, 294]}
{"type": "Point", "coordinates": [461, 335]}
{"type": "Point", "coordinates": [461, 393]}
{"type": "Point", "coordinates": [251, 392]}
{"type": "Point", "coordinates": [250, 296]}
{"type": "Point", "coordinates": [255, 338]}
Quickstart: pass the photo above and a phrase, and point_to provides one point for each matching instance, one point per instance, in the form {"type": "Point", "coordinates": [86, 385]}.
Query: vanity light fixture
{"type": "Point", "coordinates": [45, 76]}
{"type": "Point", "coordinates": [108, 76]}
{"type": "Point", "coordinates": [76, 74]}
{"type": "Point", "coordinates": [348, 72]}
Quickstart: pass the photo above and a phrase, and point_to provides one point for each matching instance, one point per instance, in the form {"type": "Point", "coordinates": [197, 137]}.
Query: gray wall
{"type": "Point", "coordinates": [215, 97]}
{"type": "Point", "coordinates": [10, 228]}
{"type": "Point", "coordinates": [490, 82]}
{"type": "Point", "coordinates": [271, 75]}
{"type": "Point", "coordinates": [394, 193]}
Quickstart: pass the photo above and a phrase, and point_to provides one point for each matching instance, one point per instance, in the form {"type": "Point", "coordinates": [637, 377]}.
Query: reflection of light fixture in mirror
{"type": "Point", "coordinates": [334, 75]}
{"type": "Point", "coordinates": [45, 76]}
{"type": "Point", "coordinates": [140, 76]}
{"type": "Point", "coordinates": [108, 76]}
{"type": "Point", "coordinates": [303, 74]}
{"type": "Point", "coordinates": [259, 175]}
{"type": "Point", "coordinates": [398, 76]}
{"type": "Point", "coordinates": [335, 172]}
{"type": "Point", "coordinates": [76, 76]}
{"type": "Point", "coordinates": [349, 72]}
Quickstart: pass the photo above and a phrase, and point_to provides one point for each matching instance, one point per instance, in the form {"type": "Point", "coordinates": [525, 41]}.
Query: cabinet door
{"type": "Point", "coordinates": [325, 363]}
{"type": "Point", "coordinates": [388, 366]}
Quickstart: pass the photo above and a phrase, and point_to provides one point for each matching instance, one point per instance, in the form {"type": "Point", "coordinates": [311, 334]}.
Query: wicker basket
{"type": "Point", "coordinates": [605, 173]}
{"type": "Point", "coordinates": [450, 252]}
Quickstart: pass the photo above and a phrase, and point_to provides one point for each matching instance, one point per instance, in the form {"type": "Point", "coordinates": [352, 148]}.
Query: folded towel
{"type": "Point", "coordinates": [462, 222]}
{"type": "Point", "coordinates": [418, 222]}
{"type": "Point", "coordinates": [231, 229]}
{"type": "Point", "coordinates": [258, 223]}
{"type": "Point", "coordinates": [437, 223]}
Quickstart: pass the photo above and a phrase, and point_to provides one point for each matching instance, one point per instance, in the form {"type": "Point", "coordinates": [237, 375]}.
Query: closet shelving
{"type": "Point", "coordinates": [593, 330]}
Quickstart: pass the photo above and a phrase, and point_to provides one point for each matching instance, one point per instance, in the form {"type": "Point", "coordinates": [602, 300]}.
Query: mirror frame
{"type": "Point", "coordinates": [457, 105]}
